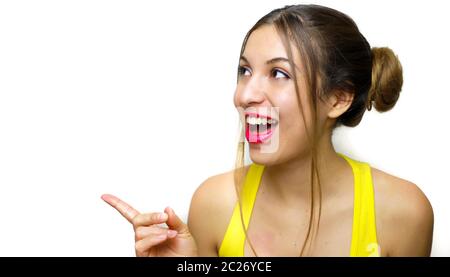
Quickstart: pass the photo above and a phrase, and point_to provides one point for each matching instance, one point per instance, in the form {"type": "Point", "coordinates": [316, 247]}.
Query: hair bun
{"type": "Point", "coordinates": [387, 79]}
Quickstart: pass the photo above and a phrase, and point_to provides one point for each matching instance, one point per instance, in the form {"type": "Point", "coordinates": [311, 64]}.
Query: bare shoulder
{"type": "Point", "coordinates": [211, 207]}
{"type": "Point", "coordinates": [404, 216]}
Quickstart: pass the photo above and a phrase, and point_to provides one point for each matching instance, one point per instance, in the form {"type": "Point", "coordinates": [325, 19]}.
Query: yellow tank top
{"type": "Point", "coordinates": [364, 234]}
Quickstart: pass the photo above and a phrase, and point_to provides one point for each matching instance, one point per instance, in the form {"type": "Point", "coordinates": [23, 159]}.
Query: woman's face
{"type": "Point", "coordinates": [266, 88]}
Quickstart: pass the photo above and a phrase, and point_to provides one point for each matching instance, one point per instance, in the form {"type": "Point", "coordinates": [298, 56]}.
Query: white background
{"type": "Point", "coordinates": [134, 98]}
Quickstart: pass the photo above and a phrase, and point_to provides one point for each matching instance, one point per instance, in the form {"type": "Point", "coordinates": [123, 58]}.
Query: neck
{"type": "Point", "coordinates": [291, 180]}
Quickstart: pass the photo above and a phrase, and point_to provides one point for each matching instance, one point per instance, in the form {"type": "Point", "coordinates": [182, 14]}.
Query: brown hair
{"type": "Point", "coordinates": [336, 57]}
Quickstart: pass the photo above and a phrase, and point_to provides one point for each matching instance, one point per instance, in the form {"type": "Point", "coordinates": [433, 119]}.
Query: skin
{"type": "Point", "coordinates": [281, 213]}
{"type": "Point", "coordinates": [152, 239]}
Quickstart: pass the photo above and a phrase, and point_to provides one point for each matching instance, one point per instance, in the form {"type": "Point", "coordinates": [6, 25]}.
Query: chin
{"type": "Point", "coordinates": [279, 155]}
{"type": "Point", "coordinates": [262, 156]}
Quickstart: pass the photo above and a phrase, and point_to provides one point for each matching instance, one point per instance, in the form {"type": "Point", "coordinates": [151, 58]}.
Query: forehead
{"type": "Point", "coordinates": [264, 44]}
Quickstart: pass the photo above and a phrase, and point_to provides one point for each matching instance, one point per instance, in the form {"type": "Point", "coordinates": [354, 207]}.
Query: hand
{"type": "Point", "coordinates": [152, 239]}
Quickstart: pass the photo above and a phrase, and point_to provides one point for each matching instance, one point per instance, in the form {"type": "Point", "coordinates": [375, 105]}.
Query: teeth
{"type": "Point", "coordinates": [259, 121]}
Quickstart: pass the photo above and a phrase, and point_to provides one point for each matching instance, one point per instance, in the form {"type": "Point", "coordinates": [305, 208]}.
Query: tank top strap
{"type": "Point", "coordinates": [364, 239]}
{"type": "Point", "coordinates": [234, 240]}
{"type": "Point", "coordinates": [249, 191]}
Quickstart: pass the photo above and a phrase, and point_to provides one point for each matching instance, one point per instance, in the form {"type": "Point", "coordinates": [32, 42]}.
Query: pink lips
{"type": "Point", "coordinates": [259, 133]}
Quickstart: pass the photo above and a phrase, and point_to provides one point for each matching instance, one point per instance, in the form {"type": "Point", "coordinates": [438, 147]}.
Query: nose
{"type": "Point", "coordinates": [249, 93]}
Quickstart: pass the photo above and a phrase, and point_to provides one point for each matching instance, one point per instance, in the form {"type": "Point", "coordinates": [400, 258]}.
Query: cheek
{"type": "Point", "coordinates": [290, 115]}
{"type": "Point", "coordinates": [293, 129]}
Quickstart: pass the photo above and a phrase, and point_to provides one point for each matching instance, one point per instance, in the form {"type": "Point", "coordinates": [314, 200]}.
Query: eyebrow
{"type": "Point", "coordinates": [271, 61]}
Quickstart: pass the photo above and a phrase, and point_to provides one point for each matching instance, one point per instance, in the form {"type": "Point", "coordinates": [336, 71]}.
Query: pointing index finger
{"type": "Point", "coordinates": [123, 208]}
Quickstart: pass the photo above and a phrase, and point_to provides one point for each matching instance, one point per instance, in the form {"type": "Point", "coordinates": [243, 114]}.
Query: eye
{"type": "Point", "coordinates": [275, 71]}
{"type": "Point", "coordinates": [241, 70]}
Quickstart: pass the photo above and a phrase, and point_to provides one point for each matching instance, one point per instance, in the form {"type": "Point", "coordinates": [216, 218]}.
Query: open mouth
{"type": "Point", "coordinates": [259, 128]}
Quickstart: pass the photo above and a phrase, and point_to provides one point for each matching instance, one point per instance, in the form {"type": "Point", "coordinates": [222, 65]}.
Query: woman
{"type": "Point", "coordinates": [303, 71]}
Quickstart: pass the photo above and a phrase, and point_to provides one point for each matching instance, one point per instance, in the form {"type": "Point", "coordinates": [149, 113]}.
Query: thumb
{"type": "Point", "coordinates": [174, 222]}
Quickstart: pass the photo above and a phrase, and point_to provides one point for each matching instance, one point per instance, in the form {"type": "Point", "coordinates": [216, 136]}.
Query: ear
{"type": "Point", "coordinates": [338, 103]}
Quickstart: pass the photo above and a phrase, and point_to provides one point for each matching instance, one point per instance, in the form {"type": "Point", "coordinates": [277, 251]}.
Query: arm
{"type": "Point", "coordinates": [201, 220]}
{"type": "Point", "coordinates": [411, 223]}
